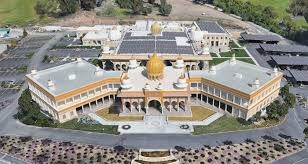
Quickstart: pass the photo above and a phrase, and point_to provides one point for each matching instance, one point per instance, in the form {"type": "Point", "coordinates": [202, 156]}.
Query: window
{"type": "Point", "coordinates": [217, 92]}
{"type": "Point", "coordinates": [69, 100]}
{"type": "Point", "coordinates": [116, 86]}
{"type": "Point", "coordinates": [91, 93]}
{"type": "Point", "coordinates": [64, 116]}
{"type": "Point", "coordinates": [77, 98]}
{"type": "Point", "coordinates": [237, 100]}
{"type": "Point", "coordinates": [205, 87]}
{"type": "Point", "coordinates": [110, 86]}
{"type": "Point", "coordinates": [199, 86]}
{"type": "Point", "coordinates": [193, 85]}
{"type": "Point", "coordinates": [61, 103]}
{"type": "Point", "coordinates": [72, 113]}
{"type": "Point", "coordinates": [223, 94]}
{"type": "Point", "coordinates": [84, 95]}
{"type": "Point", "coordinates": [105, 87]}
{"type": "Point", "coordinates": [211, 90]}
{"type": "Point", "coordinates": [98, 90]}
{"type": "Point", "coordinates": [230, 97]}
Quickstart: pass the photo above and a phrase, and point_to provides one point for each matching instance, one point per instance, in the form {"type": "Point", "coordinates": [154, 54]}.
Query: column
{"type": "Point", "coordinates": [82, 109]}
{"type": "Point", "coordinates": [178, 105]}
{"type": "Point", "coordinates": [169, 106]}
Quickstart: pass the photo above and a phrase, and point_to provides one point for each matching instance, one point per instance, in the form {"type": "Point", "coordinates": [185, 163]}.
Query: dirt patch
{"type": "Point", "coordinates": [182, 10]}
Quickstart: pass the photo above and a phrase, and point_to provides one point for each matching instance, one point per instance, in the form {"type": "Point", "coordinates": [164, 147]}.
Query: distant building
{"type": "Point", "coordinates": [211, 35]}
{"type": "Point", "coordinates": [233, 87]}
{"type": "Point", "coordinates": [4, 32]}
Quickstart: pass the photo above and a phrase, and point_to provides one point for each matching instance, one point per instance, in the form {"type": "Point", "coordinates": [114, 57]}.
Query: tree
{"type": "Point", "coordinates": [68, 6]}
{"type": "Point", "coordinates": [151, 1]}
{"type": "Point", "coordinates": [146, 10]}
{"type": "Point", "coordinates": [165, 8]}
{"type": "Point", "coordinates": [41, 8]}
{"type": "Point", "coordinates": [87, 4]}
{"type": "Point", "coordinates": [290, 100]}
{"type": "Point", "coordinates": [285, 90]}
{"type": "Point", "coordinates": [126, 4]}
{"type": "Point", "coordinates": [137, 6]}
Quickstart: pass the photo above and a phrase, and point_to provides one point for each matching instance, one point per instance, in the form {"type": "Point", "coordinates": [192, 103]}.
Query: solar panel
{"type": "Point", "coordinates": [293, 60]}
{"type": "Point", "coordinates": [211, 27]}
{"type": "Point", "coordinates": [254, 37]}
{"type": "Point", "coordinates": [284, 48]}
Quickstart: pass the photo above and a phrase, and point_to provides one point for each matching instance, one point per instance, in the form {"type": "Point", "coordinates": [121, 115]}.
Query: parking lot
{"type": "Point", "coordinates": [84, 53]}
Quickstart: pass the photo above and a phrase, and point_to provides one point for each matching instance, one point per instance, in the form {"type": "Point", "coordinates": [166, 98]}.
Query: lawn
{"type": "Point", "coordinates": [18, 12]}
{"type": "Point", "coordinates": [280, 7]}
{"type": "Point", "coordinates": [106, 114]}
{"type": "Point", "coordinates": [237, 52]}
{"type": "Point", "coordinates": [198, 114]}
{"type": "Point", "coordinates": [216, 61]}
{"type": "Point", "coordinates": [75, 125]}
{"type": "Point", "coordinates": [247, 60]}
{"type": "Point", "coordinates": [229, 123]}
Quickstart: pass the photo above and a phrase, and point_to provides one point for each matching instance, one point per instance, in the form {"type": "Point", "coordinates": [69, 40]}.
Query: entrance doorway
{"type": "Point", "coordinates": [154, 104]}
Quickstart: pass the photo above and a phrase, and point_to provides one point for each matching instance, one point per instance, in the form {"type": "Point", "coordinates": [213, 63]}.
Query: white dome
{"type": "Point", "coordinates": [106, 49]}
{"type": "Point", "coordinates": [181, 83]}
{"type": "Point", "coordinates": [126, 83]}
{"type": "Point", "coordinates": [179, 63]}
{"type": "Point", "coordinates": [205, 51]}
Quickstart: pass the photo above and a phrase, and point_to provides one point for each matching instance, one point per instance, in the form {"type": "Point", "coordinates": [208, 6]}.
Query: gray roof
{"type": "Point", "coordinates": [290, 60]}
{"type": "Point", "coordinates": [256, 37]}
{"type": "Point", "coordinates": [165, 44]}
{"type": "Point", "coordinates": [70, 76]}
{"type": "Point", "coordinates": [211, 27]}
{"type": "Point", "coordinates": [299, 75]}
{"type": "Point", "coordinates": [284, 48]}
{"type": "Point", "coordinates": [239, 76]}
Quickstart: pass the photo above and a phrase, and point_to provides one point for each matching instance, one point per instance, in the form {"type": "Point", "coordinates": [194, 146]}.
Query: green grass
{"type": "Point", "coordinates": [233, 45]}
{"type": "Point", "coordinates": [280, 6]}
{"type": "Point", "coordinates": [247, 60]}
{"type": "Point", "coordinates": [74, 125]}
{"type": "Point", "coordinates": [229, 123]}
{"type": "Point", "coordinates": [237, 52]}
{"type": "Point", "coordinates": [18, 12]}
{"type": "Point", "coordinates": [213, 54]}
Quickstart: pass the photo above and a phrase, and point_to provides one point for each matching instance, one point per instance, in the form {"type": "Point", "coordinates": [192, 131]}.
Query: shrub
{"type": "Point", "coordinates": [180, 148]}
{"type": "Point", "coordinates": [165, 8]}
{"type": "Point", "coordinates": [243, 121]}
{"type": "Point", "coordinates": [279, 148]}
{"type": "Point", "coordinates": [306, 132]}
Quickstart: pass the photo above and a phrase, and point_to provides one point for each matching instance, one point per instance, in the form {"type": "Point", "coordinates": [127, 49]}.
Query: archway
{"type": "Point", "coordinates": [156, 105]}
{"type": "Point", "coordinates": [118, 67]}
{"type": "Point", "coordinates": [127, 105]}
{"type": "Point", "coordinates": [182, 105]}
{"type": "Point", "coordinates": [109, 65]}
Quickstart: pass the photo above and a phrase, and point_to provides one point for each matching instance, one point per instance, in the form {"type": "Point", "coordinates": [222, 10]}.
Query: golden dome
{"type": "Point", "coordinates": [156, 28]}
{"type": "Point", "coordinates": [155, 67]}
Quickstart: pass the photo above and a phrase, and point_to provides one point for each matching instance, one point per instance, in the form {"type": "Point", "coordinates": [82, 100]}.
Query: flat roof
{"type": "Point", "coordinates": [167, 43]}
{"type": "Point", "coordinates": [211, 27]}
{"type": "Point", "coordinates": [71, 76]}
{"type": "Point", "coordinates": [284, 48]}
{"type": "Point", "coordinates": [299, 75]}
{"type": "Point", "coordinates": [139, 78]}
{"type": "Point", "coordinates": [257, 37]}
{"type": "Point", "coordinates": [290, 60]}
{"type": "Point", "coordinates": [239, 76]}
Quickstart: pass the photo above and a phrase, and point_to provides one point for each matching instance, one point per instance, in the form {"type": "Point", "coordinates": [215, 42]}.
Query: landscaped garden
{"type": "Point", "coordinates": [110, 116]}
{"type": "Point", "coordinates": [29, 113]}
{"type": "Point", "coordinates": [199, 113]}
{"type": "Point", "coordinates": [264, 151]}
{"type": "Point", "coordinates": [276, 113]}
{"type": "Point", "coordinates": [49, 151]}
{"type": "Point", "coordinates": [236, 52]}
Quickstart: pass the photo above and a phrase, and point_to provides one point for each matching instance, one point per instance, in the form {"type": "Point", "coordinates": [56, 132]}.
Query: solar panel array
{"type": "Point", "coordinates": [287, 60]}
{"type": "Point", "coordinates": [284, 48]}
{"type": "Point", "coordinates": [211, 27]}
{"type": "Point", "coordinates": [299, 75]}
{"type": "Point", "coordinates": [268, 38]}
{"type": "Point", "coordinates": [165, 44]}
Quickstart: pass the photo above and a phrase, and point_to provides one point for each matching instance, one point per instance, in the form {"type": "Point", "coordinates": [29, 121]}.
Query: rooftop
{"type": "Point", "coordinates": [284, 48]}
{"type": "Point", "coordinates": [140, 42]}
{"type": "Point", "coordinates": [299, 75]}
{"type": "Point", "coordinates": [139, 79]}
{"type": "Point", "coordinates": [290, 60]}
{"type": "Point", "coordinates": [256, 37]}
{"type": "Point", "coordinates": [239, 76]}
{"type": "Point", "coordinates": [70, 76]}
{"type": "Point", "coordinates": [211, 27]}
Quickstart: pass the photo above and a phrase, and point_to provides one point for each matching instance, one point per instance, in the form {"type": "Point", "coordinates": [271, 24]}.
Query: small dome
{"type": "Point", "coordinates": [155, 67]}
{"type": "Point", "coordinates": [156, 28]}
